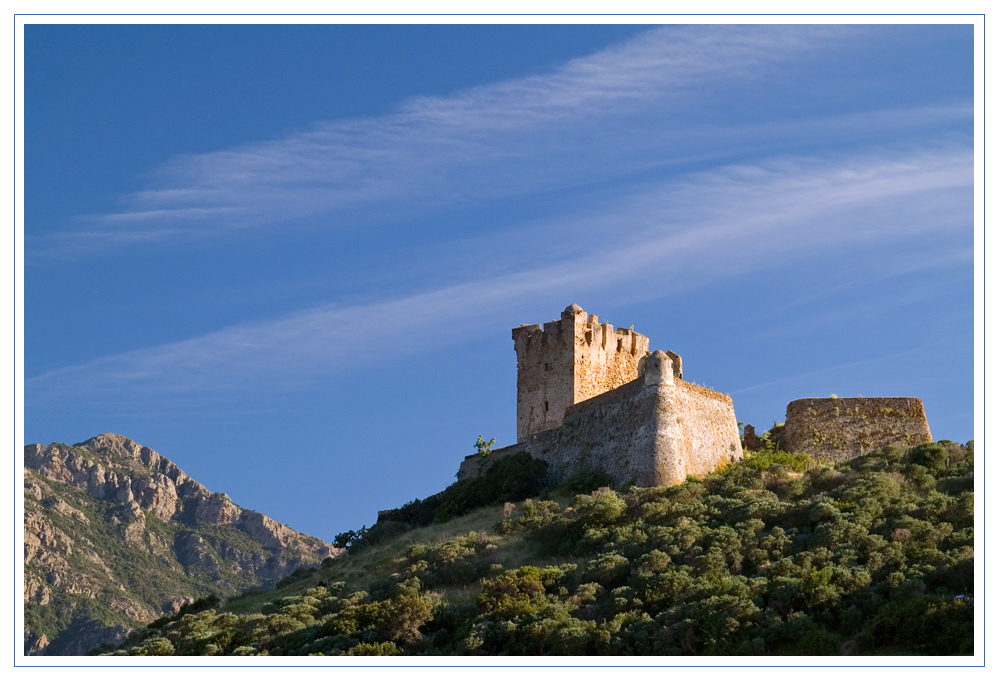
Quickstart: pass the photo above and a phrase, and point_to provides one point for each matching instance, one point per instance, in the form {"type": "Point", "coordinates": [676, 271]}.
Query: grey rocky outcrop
{"type": "Point", "coordinates": [126, 500]}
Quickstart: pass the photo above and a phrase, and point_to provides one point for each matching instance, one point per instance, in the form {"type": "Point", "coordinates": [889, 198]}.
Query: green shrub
{"type": "Point", "coordinates": [933, 456]}
{"type": "Point", "coordinates": [155, 646]}
{"type": "Point", "coordinates": [511, 591]}
{"type": "Point", "coordinates": [510, 479]}
{"type": "Point", "coordinates": [374, 649]}
{"type": "Point", "coordinates": [929, 625]}
{"type": "Point", "coordinates": [585, 481]}
{"type": "Point", "coordinates": [604, 506]}
{"type": "Point", "coordinates": [610, 570]}
{"type": "Point", "coordinates": [762, 460]}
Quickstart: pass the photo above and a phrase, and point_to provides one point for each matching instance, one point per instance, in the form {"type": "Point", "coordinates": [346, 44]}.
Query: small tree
{"type": "Point", "coordinates": [483, 447]}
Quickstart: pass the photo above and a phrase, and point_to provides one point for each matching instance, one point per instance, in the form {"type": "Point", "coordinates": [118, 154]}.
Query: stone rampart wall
{"type": "Point", "coordinates": [646, 433]}
{"type": "Point", "coordinates": [840, 428]}
{"type": "Point", "coordinates": [698, 432]}
{"type": "Point", "coordinates": [473, 465]}
{"type": "Point", "coordinates": [613, 432]}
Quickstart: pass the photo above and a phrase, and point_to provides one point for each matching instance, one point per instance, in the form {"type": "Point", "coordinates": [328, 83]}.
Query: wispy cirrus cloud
{"type": "Point", "coordinates": [914, 354]}
{"type": "Point", "coordinates": [683, 234]}
{"type": "Point", "coordinates": [616, 112]}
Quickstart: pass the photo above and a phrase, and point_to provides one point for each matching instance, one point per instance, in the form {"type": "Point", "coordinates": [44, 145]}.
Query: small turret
{"type": "Point", "coordinates": [659, 369]}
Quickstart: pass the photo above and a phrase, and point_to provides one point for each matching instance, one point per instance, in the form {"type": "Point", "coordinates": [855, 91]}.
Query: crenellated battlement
{"type": "Point", "coordinates": [567, 361]}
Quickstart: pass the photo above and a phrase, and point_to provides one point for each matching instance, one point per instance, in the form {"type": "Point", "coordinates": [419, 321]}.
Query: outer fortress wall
{"type": "Point", "coordinates": [614, 433]}
{"type": "Point", "coordinates": [696, 431]}
{"type": "Point", "coordinates": [655, 430]}
{"type": "Point", "coordinates": [841, 428]}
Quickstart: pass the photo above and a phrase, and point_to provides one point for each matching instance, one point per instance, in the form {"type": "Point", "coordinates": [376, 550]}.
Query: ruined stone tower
{"type": "Point", "coordinates": [567, 361]}
{"type": "Point", "coordinates": [835, 429]}
{"type": "Point", "coordinates": [592, 397]}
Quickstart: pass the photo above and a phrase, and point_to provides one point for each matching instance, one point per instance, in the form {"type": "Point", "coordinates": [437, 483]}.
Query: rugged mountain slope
{"type": "Point", "coordinates": [116, 535]}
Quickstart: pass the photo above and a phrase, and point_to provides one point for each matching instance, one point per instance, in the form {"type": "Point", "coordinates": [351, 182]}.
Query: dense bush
{"type": "Point", "coordinates": [511, 478]}
{"type": "Point", "coordinates": [586, 481]}
{"type": "Point", "coordinates": [775, 555]}
{"type": "Point", "coordinates": [200, 604]}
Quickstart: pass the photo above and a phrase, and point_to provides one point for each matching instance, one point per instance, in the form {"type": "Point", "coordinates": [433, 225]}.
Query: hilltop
{"type": "Point", "coordinates": [116, 536]}
{"type": "Point", "coordinates": [777, 554]}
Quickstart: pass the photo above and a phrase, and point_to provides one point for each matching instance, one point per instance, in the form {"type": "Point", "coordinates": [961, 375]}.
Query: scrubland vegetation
{"type": "Point", "coordinates": [775, 555]}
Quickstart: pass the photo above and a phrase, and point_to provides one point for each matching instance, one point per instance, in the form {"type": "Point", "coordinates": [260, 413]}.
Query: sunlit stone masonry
{"type": "Point", "coordinates": [590, 396]}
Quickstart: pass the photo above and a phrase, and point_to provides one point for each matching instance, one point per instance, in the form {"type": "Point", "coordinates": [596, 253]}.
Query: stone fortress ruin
{"type": "Point", "coordinates": [592, 397]}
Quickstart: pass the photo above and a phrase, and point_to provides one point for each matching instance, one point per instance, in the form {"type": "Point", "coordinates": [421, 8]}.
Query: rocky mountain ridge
{"type": "Point", "coordinates": [116, 535]}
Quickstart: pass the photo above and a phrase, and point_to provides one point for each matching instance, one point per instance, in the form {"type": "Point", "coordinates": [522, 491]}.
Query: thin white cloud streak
{"type": "Point", "coordinates": [607, 113]}
{"type": "Point", "coordinates": [821, 310]}
{"type": "Point", "coordinates": [712, 226]}
{"type": "Point", "coordinates": [919, 350]}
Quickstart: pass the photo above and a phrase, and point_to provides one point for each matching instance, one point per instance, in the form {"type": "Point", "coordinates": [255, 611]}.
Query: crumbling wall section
{"type": "Point", "coordinates": [840, 428]}
{"type": "Point", "coordinates": [473, 465]}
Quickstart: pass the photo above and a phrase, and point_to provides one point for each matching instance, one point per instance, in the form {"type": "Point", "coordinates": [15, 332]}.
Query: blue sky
{"type": "Point", "coordinates": [289, 258]}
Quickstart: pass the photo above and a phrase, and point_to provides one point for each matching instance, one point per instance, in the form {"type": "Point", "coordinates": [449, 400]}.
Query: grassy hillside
{"type": "Point", "coordinates": [775, 555]}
